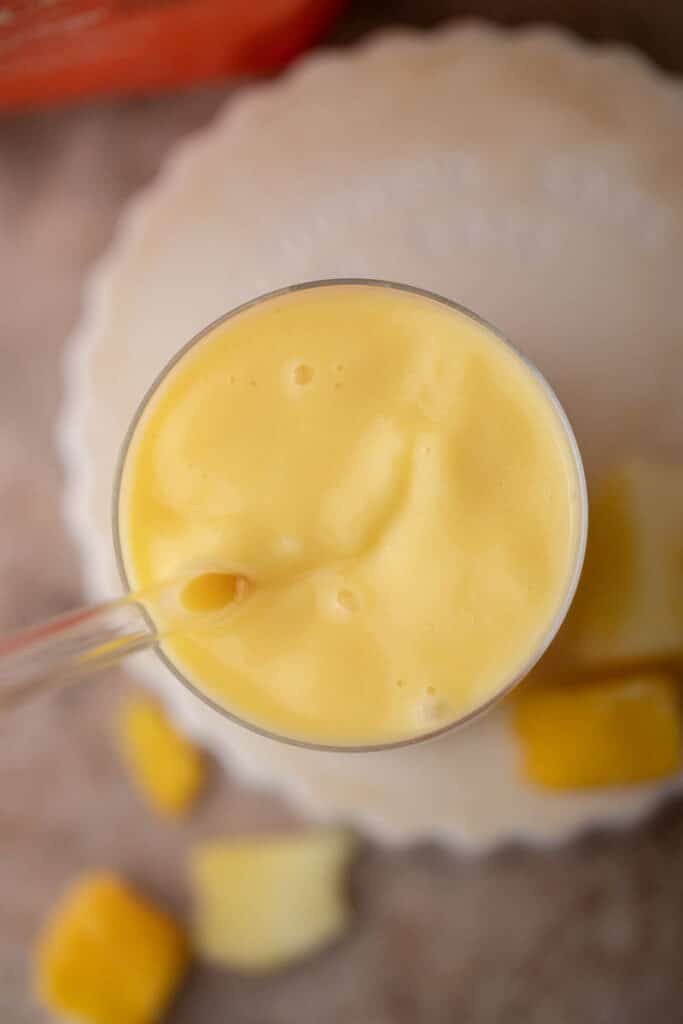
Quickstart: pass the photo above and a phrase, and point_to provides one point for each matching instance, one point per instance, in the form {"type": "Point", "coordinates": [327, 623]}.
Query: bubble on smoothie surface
{"type": "Point", "coordinates": [302, 374]}
{"type": "Point", "coordinates": [433, 710]}
{"type": "Point", "coordinates": [347, 600]}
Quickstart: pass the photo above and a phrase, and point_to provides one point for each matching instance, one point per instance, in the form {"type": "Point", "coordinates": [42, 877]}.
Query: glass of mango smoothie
{"type": "Point", "coordinates": [376, 507]}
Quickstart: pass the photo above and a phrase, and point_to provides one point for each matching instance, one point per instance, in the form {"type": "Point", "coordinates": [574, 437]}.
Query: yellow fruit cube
{"type": "Point", "coordinates": [166, 768]}
{"type": "Point", "coordinates": [261, 903]}
{"type": "Point", "coordinates": [109, 957]}
{"type": "Point", "coordinates": [630, 600]}
{"type": "Point", "coordinates": [600, 732]}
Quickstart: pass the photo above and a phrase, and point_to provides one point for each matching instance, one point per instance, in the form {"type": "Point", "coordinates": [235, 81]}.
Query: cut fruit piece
{"type": "Point", "coordinates": [604, 732]}
{"type": "Point", "coordinates": [262, 903]}
{"type": "Point", "coordinates": [107, 956]}
{"type": "Point", "coordinates": [630, 601]}
{"type": "Point", "coordinates": [166, 768]}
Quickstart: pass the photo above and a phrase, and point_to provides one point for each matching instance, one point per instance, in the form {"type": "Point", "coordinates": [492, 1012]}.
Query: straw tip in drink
{"type": "Point", "coordinates": [212, 591]}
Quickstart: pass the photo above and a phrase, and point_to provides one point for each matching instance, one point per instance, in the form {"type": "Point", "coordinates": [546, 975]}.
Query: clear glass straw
{"type": "Point", "coordinates": [79, 643]}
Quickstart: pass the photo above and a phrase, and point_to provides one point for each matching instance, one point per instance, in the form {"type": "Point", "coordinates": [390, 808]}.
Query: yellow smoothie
{"type": "Point", "coordinates": [395, 485]}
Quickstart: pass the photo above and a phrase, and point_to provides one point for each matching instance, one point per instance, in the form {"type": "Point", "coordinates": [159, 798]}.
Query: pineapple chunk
{"type": "Point", "coordinates": [261, 903]}
{"type": "Point", "coordinates": [164, 766]}
{"type": "Point", "coordinates": [630, 601]}
{"type": "Point", "coordinates": [620, 730]}
{"type": "Point", "coordinates": [109, 957]}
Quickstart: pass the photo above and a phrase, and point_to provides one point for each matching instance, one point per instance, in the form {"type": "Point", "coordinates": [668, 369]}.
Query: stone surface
{"type": "Point", "coordinates": [588, 933]}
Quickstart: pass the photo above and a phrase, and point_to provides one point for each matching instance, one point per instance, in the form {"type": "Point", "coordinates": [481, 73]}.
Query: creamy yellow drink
{"type": "Point", "coordinates": [395, 485]}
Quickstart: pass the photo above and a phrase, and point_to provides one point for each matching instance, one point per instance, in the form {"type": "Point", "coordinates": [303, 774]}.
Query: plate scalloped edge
{"type": "Point", "coordinates": [635, 73]}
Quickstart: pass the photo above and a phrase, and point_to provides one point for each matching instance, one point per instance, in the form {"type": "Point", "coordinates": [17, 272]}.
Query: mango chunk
{"type": "Point", "coordinates": [604, 732]}
{"type": "Point", "coordinates": [630, 602]}
{"type": "Point", "coordinates": [107, 956]}
{"type": "Point", "coordinates": [262, 903]}
{"type": "Point", "coordinates": [163, 765]}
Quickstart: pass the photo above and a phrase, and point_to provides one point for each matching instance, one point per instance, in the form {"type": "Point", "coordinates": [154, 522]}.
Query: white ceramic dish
{"type": "Point", "coordinates": [534, 180]}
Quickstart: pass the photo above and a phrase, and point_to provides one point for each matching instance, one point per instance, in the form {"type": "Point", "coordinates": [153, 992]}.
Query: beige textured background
{"type": "Point", "coordinates": [591, 933]}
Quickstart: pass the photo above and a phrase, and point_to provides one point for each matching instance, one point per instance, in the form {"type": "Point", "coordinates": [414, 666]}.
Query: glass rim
{"type": "Point", "coordinates": [580, 546]}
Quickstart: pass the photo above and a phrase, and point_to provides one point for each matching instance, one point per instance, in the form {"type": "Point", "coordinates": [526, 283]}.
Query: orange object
{"type": "Point", "coordinates": [163, 765]}
{"type": "Point", "coordinates": [609, 732]}
{"type": "Point", "coordinates": [108, 956]}
{"type": "Point", "coordinates": [56, 50]}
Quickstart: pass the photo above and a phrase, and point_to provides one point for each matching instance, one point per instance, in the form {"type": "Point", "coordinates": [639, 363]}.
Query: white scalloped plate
{"type": "Point", "coordinates": [535, 180]}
